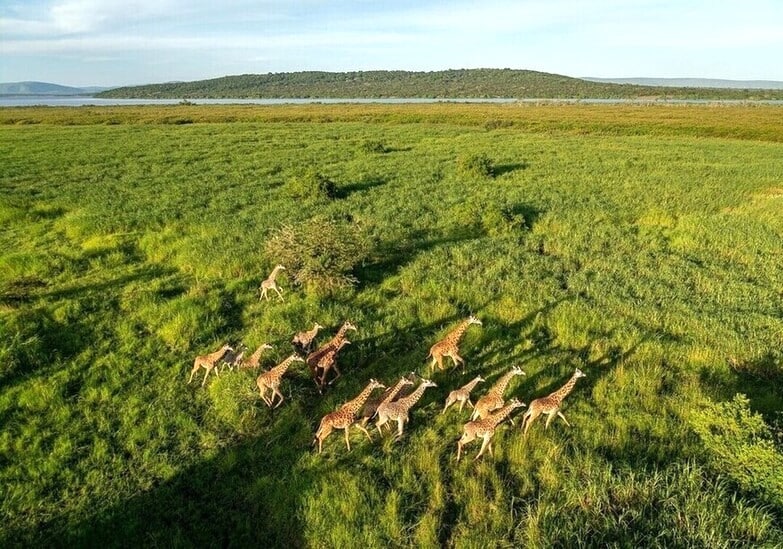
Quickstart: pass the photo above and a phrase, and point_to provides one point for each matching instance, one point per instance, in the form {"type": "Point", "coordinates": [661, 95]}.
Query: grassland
{"type": "Point", "coordinates": [643, 245]}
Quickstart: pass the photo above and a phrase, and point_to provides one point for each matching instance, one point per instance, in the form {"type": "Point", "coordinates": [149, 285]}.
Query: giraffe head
{"type": "Point", "coordinates": [373, 384]}
{"type": "Point", "coordinates": [406, 380]}
{"type": "Point", "coordinates": [579, 373]}
{"type": "Point", "coordinates": [427, 383]}
{"type": "Point", "coordinates": [518, 371]}
{"type": "Point", "coordinates": [411, 376]}
{"type": "Point", "coordinates": [515, 403]}
{"type": "Point", "coordinates": [295, 358]}
{"type": "Point", "coordinates": [473, 320]}
{"type": "Point", "coordinates": [317, 327]}
{"type": "Point", "coordinates": [266, 346]}
{"type": "Point", "coordinates": [226, 348]}
{"type": "Point", "coordinates": [279, 267]}
{"type": "Point", "coordinates": [478, 379]}
{"type": "Point", "coordinates": [348, 325]}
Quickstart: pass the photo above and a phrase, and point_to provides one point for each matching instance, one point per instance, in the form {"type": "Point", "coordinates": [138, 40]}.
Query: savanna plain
{"type": "Point", "coordinates": [642, 244]}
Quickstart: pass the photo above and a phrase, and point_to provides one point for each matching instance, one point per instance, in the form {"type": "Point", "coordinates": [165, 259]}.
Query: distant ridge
{"type": "Point", "coordinates": [694, 83]}
{"type": "Point", "coordinates": [463, 83]}
{"type": "Point", "coordinates": [44, 88]}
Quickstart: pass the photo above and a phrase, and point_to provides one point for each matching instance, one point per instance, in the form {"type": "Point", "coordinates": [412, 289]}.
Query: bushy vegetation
{"type": "Point", "coordinates": [475, 165]}
{"type": "Point", "coordinates": [640, 244]}
{"type": "Point", "coordinates": [312, 186]}
{"type": "Point", "coordinates": [321, 253]}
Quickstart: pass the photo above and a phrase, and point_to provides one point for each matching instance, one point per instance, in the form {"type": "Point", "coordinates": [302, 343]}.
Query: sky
{"type": "Point", "coordinates": [113, 43]}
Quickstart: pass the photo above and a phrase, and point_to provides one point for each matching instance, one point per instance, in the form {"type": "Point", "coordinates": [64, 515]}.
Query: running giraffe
{"type": "Point", "coordinates": [314, 357]}
{"type": "Point", "coordinates": [449, 345]}
{"type": "Point", "coordinates": [271, 380]}
{"type": "Point", "coordinates": [208, 362]}
{"type": "Point", "coordinates": [494, 398]}
{"type": "Point", "coordinates": [304, 340]}
{"type": "Point", "coordinates": [271, 284]}
{"type": "Point", "coordinates": [327, 362]}
{"type": "Point", "coordinates": [462, 395]}
{"type": "Point", "coordinates": [255, 358]}
{"type": "Point", "coordinates": [398, 410]}
{"type": "Point", "coordinates": [485, 428]}
{"type": "Point", "coordinates": [370, 409]}
{"type": "Point", "coordinates": [345, 417]}
{"type": "Point", "coordinates": [550, 405]}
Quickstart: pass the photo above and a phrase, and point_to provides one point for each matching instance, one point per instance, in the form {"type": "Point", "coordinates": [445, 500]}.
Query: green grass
{"type": "Point", "coordinates": [640, 244]}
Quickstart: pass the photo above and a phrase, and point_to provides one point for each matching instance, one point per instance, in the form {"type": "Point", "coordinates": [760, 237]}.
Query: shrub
{"type": "Point", "coordinates": [312, 186]}
{"type": "Point", "coordinates": [320, 253]}
{"type": "Point", "coordinates": [740, 445]}
{"type": "Point", "coordinates": [477, 165]}
{"type": "Point", "coordinates": [374, 146]}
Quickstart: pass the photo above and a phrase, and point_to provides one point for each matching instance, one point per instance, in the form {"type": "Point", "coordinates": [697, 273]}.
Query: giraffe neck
{"type": "Point", "coordinates": [354, 405]}
{"type": "Point", "coordinates": [470, 386]}
{"type": "Point", "coordinates": [456, 335]}
{"type": "Point", "coordinates": [394, 391]}
{"type": "Point", "coordinates": [217, 355]}
{"type": "Point", "coordinates": [414, 397]}
{"type": "Point", "coordinates": [500, 386]}
{"type": "Point", "coordinates": [255, 357]}
{"type": "Point", "coordinates": [502, 414]}
{"type": "Point", "coordinates": [563, 391]}
{"type": "Point", "coordinates": [274, 274]}
{"type": "Point", "coordinates": [283, 366]}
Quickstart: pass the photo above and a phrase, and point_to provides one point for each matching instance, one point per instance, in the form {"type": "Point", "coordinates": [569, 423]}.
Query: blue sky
{"type": "Point", "coordinates": [102, 42]}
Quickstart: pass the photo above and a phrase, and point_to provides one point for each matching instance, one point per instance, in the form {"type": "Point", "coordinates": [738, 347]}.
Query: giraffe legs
{"type": "Point", "coordinates": [464, 439]}
{"type": "Point", "coordinates": [337, 371]}
{"type": "Point", "coordinates": [400, 425]}
{"type": "Point", "coordinates": [550, 416]}
{"type": "Point", "coordinates": [484, 446]}
{"type": "Point", "coordinates": [529, 417]}
{"type": "Point", "coordinates": [362, 429]}
{"type": "Point", "coordinates": [209, 369]}
{"type": "Point", "coordinates": [193, 372]}
{"type": "Point", "coordinates": [263, 294]}
{"type": "Point", "coordinates": [449, 402]}
{"type": "Point", "coordinates": [279, 293]}
{"type": "Point", "coordinates": [561, 416]}
{"type": "Point", "coordinates": [276, 391]}
{"type": "Point", "coordinates": [347, 442]}
{"type": "Point", "coordinates": [382, 419]}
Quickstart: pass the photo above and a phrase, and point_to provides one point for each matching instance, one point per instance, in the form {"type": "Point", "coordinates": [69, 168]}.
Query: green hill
{"type": "Point", "coordinates": [466, 83]}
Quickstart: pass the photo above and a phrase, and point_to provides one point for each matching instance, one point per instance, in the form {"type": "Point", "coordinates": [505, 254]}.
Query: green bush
{"type": "Point", "coordinates": [477, 165]}
{"type": "Point", "coordinates": [320, 253]}
{"type": "Point", "coordinates": [312, 186]}
{"type": "Point", "coordinates": [740, 445]}
{"type": "Point", "coordinates": [374, 146]}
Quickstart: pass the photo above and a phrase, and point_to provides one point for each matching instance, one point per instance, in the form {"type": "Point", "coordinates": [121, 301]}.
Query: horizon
{"type": "Point", "coordinates": [84, 43]}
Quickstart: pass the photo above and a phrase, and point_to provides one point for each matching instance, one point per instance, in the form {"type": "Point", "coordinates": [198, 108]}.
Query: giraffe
{"type": "Point", "coordinates": [550, 405]}
{"type": "Point", "coordinates": [255, 358]}
{"type": "Point", "coordinates": [449, 345]}
{"type": "Point", "coordinates": [271, 379]}
{"type": "Point", "coordinates": [315, 356]}
{"type": "Point", "coordinates": [462, 395]}
{"type": "Point", "coordinates": [208, 362]}
{"type": "Point", "coordinates": [271, 284]}
{"type": "Point", "coordinates": [494, 398]}
{"type": "Point", "coordinates": [485, 428]}
{"type": "Point", "coordinates": [371, 408]}
{"type": "Point", "coordinates": [345, 417]}
{"type": "Point", "coordinates": [304, 340]}
{"type": "Point", "coordinates": [398, 410]}
{"type": "Point", "coordinates": [329, 361]}
{"type": "Point", "coordinates": [234, 358]}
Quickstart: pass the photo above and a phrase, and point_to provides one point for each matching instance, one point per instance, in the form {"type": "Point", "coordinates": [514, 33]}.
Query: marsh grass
{"type": "Point", "coordinates": [640, 244]}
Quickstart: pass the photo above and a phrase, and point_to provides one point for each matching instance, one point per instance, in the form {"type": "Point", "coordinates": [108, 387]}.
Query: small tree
{"type": "Point", "coordinates": [320, 253]}
{"type": "Point", "coordinates": [477, 165]}
{"type": "Point", "coordinates": [312, 186]}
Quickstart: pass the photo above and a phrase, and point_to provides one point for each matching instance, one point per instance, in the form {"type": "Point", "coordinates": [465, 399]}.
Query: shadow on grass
{"type": "Point", "coordinates": [502, 169]}
{"type": "Point", "coordinates": [248, 494]}
{"type": "Point", "coordinates": [344, 191]}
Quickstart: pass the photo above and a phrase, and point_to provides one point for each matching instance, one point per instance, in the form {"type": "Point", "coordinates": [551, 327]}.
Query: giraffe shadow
{"type": "Point", "coordinates": [248, 494]}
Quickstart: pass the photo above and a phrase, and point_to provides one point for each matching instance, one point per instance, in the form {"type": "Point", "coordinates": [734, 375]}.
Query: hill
{"type": "Point", "coordinates": [694, 83]}
{"type": "Point", "coordinates": [44, 88]}
{"type": "Point", "coordinates": [465, 83]}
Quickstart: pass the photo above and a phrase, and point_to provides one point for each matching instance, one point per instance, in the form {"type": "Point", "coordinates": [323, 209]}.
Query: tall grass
{"type": "Point", "coordinates": [640, 244]}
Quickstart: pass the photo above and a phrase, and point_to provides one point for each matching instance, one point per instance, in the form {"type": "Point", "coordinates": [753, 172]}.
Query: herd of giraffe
{"type": "Point", "coordinates": [394, 404]}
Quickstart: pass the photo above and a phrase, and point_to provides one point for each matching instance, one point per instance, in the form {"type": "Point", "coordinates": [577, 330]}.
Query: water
{"type": "Point", "coordinates": [80, 101]}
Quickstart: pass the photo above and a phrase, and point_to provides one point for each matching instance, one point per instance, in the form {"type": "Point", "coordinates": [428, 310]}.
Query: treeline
{"type": "Point", "coordinates": [465, 83]}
